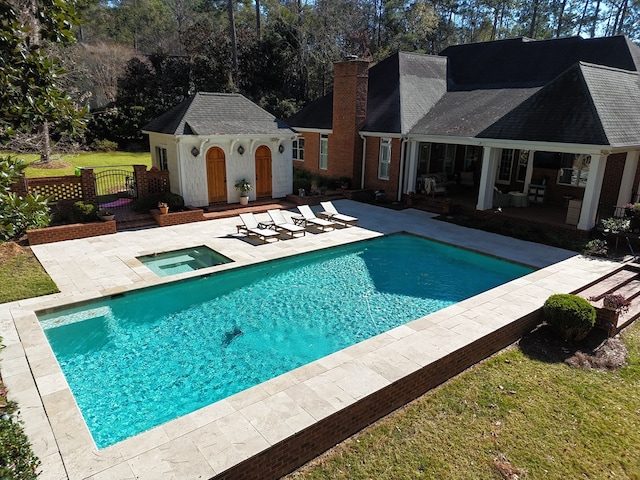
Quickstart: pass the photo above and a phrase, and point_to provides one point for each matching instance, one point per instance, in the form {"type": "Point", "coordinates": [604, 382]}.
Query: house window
{"type": "Point", "coordinates": [161, 158]}
{"type": "Point", "coordinates": [523, 160]}
{"type": "Point", "coordinates": [506, 164]}
{"type": "Point", "coordinates": [324, 152]}
{"type": "Point", "coordinates": [384, 159]}
{"type": "Point", "coordinates": [574, 169]}
{"type": "Point", "coordinates": [298, 149]}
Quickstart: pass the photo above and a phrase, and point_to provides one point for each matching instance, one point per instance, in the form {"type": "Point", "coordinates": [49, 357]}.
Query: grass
{"type": "Point", "coordinates": [67, 163]}
{"type": "Point", "coordinates": [510, 414]}
{"type": "Point", "coordinates": [21, 275]}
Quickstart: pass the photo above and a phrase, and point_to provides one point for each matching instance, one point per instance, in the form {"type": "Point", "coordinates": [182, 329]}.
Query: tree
{"type": "Point", "coordinates": [28, 75]}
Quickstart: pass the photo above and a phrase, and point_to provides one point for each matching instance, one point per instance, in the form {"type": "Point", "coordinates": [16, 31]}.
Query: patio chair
{"type": "Point", "coordinates": [283, 226]}
{"type": "Point", "coordinates": [310, 218]}
{"type": "Point", "coordinates": [252, 227]}
{"type": "Point", "coordinates": [331, 213]}
{"type": "Point", "coordinates": [500, 199]}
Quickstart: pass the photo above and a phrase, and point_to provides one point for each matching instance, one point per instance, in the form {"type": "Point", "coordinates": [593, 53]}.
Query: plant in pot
{"type": "Point", "coordinates": [106, 215]}
{"type": "Point", "coordinates": [616, 302]}
{"type": "Point", "coordinates": [244, 187]}
{"type": "Point", "coordinates": [163, 207]}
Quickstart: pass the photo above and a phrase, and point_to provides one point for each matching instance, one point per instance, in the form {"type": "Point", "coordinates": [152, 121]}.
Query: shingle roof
{"type": "Point", "coordinates": [401, 88]}
{"type": "Point", "coordinates": [217, 114]}
{"type": "Point", "coordinates": [588, 104]}
{"type": "Point", "coordinates": [521, 62]}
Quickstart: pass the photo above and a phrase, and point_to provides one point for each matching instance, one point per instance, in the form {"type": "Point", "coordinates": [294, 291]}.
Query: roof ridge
{"type": "Point", "coordinates": [605, 67]}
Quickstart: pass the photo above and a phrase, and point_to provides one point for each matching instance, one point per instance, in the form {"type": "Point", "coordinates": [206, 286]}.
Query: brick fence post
{"type": "Point", "coordinates": [88, 183]}
{"type": "Point", "coordinates": [142, 183]}
{"type": "Point", "coordinates": [20, 187]}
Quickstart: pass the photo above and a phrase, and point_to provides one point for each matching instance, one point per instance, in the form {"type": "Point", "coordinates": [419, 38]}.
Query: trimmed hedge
{"type": "Point", "coordinates": [571, 316]}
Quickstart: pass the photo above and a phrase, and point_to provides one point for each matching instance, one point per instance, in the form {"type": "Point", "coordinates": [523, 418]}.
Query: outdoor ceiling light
{"type": "Point", "coordinates": [195, 152]}
{"type": "Point", "coordinates": [281, 148]}
{"type": "Point", "coordinates": [240, 149]}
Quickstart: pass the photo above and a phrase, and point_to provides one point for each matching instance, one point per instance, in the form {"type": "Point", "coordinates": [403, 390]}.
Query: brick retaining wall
{"type": "Point", "coordinates": [177, 218]}
{"type": "Point", "coordinates": [70, 232]}
{"type": "Point", "coordinates": [295, 451]}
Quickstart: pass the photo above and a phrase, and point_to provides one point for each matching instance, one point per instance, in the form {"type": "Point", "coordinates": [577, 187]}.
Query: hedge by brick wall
{"type": "Point", "coordinates": [295, 451]}
{"type": "Point", "coordinates": [70, 232]}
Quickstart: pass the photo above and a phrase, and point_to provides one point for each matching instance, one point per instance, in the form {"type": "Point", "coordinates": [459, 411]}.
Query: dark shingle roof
{"type": "Point", "coordinates": [401, 88]}
{"type": "Point", "coordinates": [217, 114]}
{"type": "Point", "coordinates": [588, 104]}
{"type": "Point", "coordinates": [521, 62]}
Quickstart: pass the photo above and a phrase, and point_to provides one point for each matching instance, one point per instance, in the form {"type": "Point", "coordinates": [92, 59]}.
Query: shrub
{"type": "Point", "coordinates": [571, 316]}
{"type": "Point", "coordinates": [104, 146]}
{"type": "Point", "coordinates": [84, 212]}
{"type": "Point", "coordinates": [596, 247]}
{"type": "Point", "coordinates": [174, 201]}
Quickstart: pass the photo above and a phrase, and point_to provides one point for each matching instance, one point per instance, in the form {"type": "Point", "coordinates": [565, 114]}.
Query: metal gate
{"type": "Point", "coordinates": [115, 188]}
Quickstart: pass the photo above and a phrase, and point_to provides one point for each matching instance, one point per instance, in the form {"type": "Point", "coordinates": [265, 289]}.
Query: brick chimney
{"type": "Point", "coordinates": [350, 85]}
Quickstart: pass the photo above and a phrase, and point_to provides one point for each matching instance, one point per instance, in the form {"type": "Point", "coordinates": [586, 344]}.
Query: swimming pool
{"type": "Point", "coordinates": [182, 261]}
{"type": "Point", "coordinates": [132, 367]}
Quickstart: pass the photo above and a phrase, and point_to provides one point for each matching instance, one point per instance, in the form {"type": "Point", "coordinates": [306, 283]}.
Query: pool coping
{"type": "Point", "coordinates": [211, 441]}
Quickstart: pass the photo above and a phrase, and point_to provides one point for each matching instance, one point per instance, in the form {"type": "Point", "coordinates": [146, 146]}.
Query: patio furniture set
{"type": "Point", "coordinates": [271, 229]}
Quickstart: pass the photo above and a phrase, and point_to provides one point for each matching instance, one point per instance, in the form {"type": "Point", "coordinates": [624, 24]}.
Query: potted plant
{"type": "Point", "coordinates": [244, 187]}
{"type": "Point", "coordinates": [616, 302]}
{"type": "Point", "coordinates": [163, 207]}
{"type": "Point", "coordinates": [106, 215]}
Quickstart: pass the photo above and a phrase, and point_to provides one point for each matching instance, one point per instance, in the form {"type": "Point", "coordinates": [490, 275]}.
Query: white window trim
{"type": "Point", "coordinates": [511, 153]}
{"type": "Point", "coordinates": [384, 159]}
{"type": "Point", "coordinates": [323, 152]}
{"type": "Point", "coordinates": [162, 158]}
{"type": "Point", "coordinates": [298, 150]}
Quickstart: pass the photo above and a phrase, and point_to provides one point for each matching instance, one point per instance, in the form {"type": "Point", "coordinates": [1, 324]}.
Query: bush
{"type": "Point", "coordinates": [104, 146]}
{"type": "Point", "coordinates": [571, 316]}
{"type": "Point", "coordinates": [84, 212]}
{"type": "Point", "coordinates": [174, 201]}
{"type": "Point", "coordinates": [596, 247]}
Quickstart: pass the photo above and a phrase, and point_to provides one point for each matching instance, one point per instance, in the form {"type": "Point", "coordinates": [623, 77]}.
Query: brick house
{"type": "Point", "coordinates": [522, 120]}
{"type": "Point", "coordinates": [211, 140]}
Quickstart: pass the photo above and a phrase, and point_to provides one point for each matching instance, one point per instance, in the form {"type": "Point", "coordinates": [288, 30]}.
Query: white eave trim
{"type": "Point", "coordinates": [322, 131]}
{"type": "Point", "coordinates": [518, 144]}
{"type": "Point", "coordinates": [382, 134]}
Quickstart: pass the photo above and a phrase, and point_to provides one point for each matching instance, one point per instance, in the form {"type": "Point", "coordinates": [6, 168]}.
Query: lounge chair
{"type": "Point", "coordinates": [310, 218]}
{"type": "Point", "coordinates": [331, 213]}
{"type": "Point", "coordinates": [252, 227]}
{"type": "Point", "coordinates": [283, 226]}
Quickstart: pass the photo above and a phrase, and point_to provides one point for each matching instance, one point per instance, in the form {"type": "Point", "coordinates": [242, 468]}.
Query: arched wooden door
{"type": "Point", "coordinates": [263, 172]}
{"type": "Point", "coordinates": [216, 175]}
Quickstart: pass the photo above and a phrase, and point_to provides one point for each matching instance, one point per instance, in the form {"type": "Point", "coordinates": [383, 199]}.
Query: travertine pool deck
{"type": "Point", "coordinates": [207, 442]}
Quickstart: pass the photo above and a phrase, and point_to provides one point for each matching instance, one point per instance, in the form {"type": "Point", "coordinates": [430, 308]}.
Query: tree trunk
{"type": "Point", "coordinates": [583, 17]}
{"type": "Point", "coordinates": [45, 154]}
{"type": "Point", "coordinates": [560, 15]}
{"type": "Point", "coordinates": [595, 20]}
{"type": "Point", "coordinates": [234, 44]}
{"type": "Point", "coordinates": [534, 19]}
{"type": "Point", "coordinates": [258, 31]}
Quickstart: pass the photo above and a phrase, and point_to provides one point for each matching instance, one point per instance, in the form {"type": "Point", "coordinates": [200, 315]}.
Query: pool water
{"type": "Point", "coordinates": [137, 361]}
{"type": "Point", "coordinates": [182, 261]}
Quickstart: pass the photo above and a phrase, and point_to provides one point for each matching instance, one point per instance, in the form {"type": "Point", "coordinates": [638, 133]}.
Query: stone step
{"type": "Point", "coordinates": [610, 283]}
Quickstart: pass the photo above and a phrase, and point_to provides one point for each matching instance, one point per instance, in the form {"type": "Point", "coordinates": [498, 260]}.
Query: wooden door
{"type": "Point", "coordinates": [263, 172]}
{"type": "Point", "coordinates": [216, 175]}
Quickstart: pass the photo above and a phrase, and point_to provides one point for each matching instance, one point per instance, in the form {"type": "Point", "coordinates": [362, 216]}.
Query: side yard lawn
{"type": "Point", "coordinates": [65, 164]}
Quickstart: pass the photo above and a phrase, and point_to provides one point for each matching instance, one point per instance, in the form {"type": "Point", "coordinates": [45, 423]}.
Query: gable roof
{"type": "Point", "coordinates": [217, 114]}
{"type": "Point", "coordinates": [588, 104]}
{"type": "Point", "coordinates": [401, 88]}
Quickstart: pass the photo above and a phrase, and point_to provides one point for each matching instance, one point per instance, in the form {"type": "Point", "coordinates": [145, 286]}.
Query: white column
{"type": "Point", "coordinates": [628, 175]}
{"type": "Point", "coordinates": [411, 167]}
{"type": "Point", "coordinates": [488, 177]}
{"type": "Point", "coordinates": [589, 210]}
{"type": "Point", "coordinates": [529, 174]}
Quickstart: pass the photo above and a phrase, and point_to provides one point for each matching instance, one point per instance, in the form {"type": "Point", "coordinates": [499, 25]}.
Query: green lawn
{"type": "Point", "coordinates": [512, 413]}
{"type": "Point", "coordinates": [21, 275]}
{"type": "Point", "coordinates": [89, 159]}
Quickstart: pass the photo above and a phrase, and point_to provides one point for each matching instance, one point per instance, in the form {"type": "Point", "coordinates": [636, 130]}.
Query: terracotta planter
{"type": "Point", "coordinates": [163, 210]}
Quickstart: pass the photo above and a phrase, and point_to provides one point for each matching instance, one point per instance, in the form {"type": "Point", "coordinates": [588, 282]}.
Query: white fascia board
{"type": "Point", "coordinates": [517, 144]}
{"type": "Point", "coordinates": [323, 131]}
{"type": "Point", "coordinates": [382, 134]}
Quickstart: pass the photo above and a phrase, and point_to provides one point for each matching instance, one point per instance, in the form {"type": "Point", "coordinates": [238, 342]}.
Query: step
{"type": "Point", "coordinates": [608, 284]}
{"type": "Point", "coordinates": [630, 289]}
